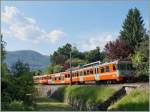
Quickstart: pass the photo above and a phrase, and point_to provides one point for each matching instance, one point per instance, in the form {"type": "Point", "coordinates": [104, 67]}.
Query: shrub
{"type": "Point", "coordinates": [16, 106]}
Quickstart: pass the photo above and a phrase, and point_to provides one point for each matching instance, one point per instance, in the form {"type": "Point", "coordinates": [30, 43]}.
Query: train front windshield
{"type": "Point", "coordinates": [125, 66]}
{"type": "Point", "coordinates": [125, 69]}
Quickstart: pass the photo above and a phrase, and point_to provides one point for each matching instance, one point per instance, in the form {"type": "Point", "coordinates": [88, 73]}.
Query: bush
{"type": "Point", "coordinates": [16, 106]}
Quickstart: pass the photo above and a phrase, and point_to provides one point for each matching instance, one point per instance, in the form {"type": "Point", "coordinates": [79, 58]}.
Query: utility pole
{"type": "Point", "coordinates": [70, 69]}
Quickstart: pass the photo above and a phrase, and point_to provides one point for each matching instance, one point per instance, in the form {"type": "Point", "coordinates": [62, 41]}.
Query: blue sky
{"type": "Point", "coordinates": [45, 26]}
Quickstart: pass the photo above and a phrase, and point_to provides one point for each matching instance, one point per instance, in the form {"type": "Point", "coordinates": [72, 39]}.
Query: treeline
{"type": "Point", "coordinates": [61, 58]}
{"type": "Point", "coordinates": [132, 44]}
{"type": "Point", "coordinates": [17, 87]}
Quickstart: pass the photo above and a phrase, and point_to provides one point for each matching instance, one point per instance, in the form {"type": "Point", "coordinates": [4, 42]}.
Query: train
{"type": "Point", "coordinates": [109, 72]}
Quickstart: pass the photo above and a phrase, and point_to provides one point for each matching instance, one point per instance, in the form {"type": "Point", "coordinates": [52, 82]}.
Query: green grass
{"type": "Point", "coordinates": [85, 96]}
{"type": "Point", "coordinates": [93, 94]}
{"type": "Point", "coordinates": [137, 100]}
{"type": "Point", "coordinates": [46, 104]}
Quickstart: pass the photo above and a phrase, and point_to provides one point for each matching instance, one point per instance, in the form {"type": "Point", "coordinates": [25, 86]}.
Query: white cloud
{"type": "Point", "coordinates": [26, 28]}
{"type": "Point", "coordinates": [99, 40]}
{"type": "Point", "coordinates": [55, 35]}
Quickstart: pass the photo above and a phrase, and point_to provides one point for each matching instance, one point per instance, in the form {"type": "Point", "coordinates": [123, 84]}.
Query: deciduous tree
{"type": "Point", "coordinates": [117, 49]}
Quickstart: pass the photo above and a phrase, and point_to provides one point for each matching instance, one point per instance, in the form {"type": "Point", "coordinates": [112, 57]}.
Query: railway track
{"type": "Point", "coordinates": [138, 84]}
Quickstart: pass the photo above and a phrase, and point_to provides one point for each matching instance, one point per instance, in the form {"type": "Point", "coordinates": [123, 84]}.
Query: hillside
{"type": "Point", "coordinates": [33, 58]}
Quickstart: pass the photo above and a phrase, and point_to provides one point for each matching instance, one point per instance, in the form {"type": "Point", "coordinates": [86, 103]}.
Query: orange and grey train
{"type": "Point", "coordinates": [97, 72]}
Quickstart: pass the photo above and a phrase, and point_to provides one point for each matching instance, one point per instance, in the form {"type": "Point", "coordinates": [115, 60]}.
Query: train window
{"type": "Point", "coordinates": [62, 78]}
{"type": "Point", "coordinates": [88, 72]}
{"type": "Point", "coordinates": [122, 66]}
{"type": "Point", "coordinates": [77, 74]}
{"type": "Point", "coordinates": [114, 67]}
{"type": "Point", "coordinates": [102, 69]}
{"type": "Point", "coordinates": [91, 71]}
{"type": "Point", "coordinates": [129, 66]}
{"type": "Point", "coordinates": [80, 73]}
{"type": "Point", "coordinates": [95, 71]}
{"type": "Point", "coordinates": [107, 69]}
{"type": "Point", "coordinates": [84, 72]}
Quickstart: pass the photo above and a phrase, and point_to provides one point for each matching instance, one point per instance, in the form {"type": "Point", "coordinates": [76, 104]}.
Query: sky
{"type": "Point", "coordinates": [44, 26]}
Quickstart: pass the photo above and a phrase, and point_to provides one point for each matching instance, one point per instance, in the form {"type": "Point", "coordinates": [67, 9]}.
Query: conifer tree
{"type": "Point", "coordinates": [133, 30]}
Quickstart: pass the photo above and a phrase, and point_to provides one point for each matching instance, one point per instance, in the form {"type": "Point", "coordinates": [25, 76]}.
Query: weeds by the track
{"type": "Point", "coordinates": [137, 100]}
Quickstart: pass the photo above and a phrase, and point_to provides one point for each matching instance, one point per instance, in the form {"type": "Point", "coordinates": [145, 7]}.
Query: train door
{"type": "Point", "coordinates": [96, 73]}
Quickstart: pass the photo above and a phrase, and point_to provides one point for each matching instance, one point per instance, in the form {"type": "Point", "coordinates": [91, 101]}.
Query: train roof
{"type": "Point", "coordinates": [92, 64]}
{"type": "Point", "coordinates": [98, 63]}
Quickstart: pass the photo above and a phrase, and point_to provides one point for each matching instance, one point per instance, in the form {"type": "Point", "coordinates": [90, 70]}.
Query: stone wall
{"type": "Point", "coordinates": [43, 90]}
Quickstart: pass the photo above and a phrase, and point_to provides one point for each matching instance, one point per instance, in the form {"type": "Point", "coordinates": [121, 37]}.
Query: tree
{"type": "Point", "coordinates": [63, 53]}
{"type": "Point", "coordinates": [133, 30]}
{"type": "Point", "coordinates": [54, 69]}
{"type": "Point", "coordinates": [57, 58]}
{"type": "Point", "coordinates": [20, 68]}
{"type": "Point", "coordinates": [75, 62]}
{"type": "Point", "coordinates": [15, 86]}
{"type": "Point", "coordinates": [140, 60]}
{"type": "Point", "coordinates": [49, 69]}
{"type": "Point", "coordinates": [22, 81]}
{"type": "Point", "coordinates": [3, 43]}
{"type": "Point", "coordinates": [117, 49]}
{"type": "Point", "coordinates": [58, 68]}
{"type": "Point", "coordinates": [94, 55]}
{"type": "Point", "coordinates": [65, 50]}
{"type": "Point", "coordinates": [5, 83]}
{"type": "Point", "coordinates": [37, 72]}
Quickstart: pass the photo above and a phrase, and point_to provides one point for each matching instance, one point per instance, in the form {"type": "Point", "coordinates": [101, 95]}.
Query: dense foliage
{"type": "Point", "coordinates": [117, 49]}
{"type": "Point", "coordinates": [16, 86]}
{"type": "Point", "coordinates": [140, 60]}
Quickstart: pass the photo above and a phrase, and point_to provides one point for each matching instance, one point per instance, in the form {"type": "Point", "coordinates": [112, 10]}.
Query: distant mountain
{"type": "Point", "coordinates": [34, 59]}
